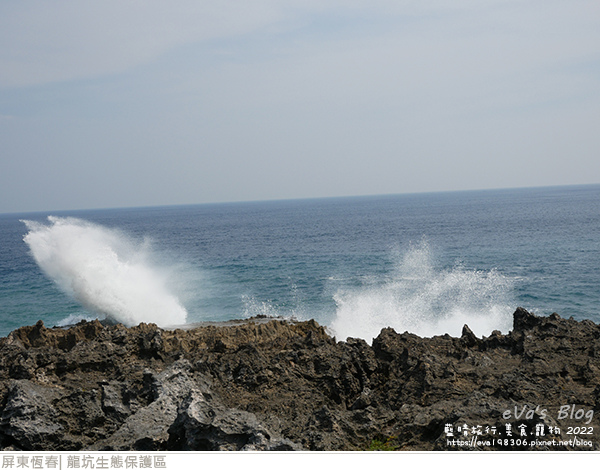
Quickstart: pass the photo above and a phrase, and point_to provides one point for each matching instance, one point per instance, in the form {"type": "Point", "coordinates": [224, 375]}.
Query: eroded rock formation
{"type": "Point", "coordinates": [279, 385]}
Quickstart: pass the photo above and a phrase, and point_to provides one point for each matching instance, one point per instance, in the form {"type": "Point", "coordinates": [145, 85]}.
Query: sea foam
{"type": "Point", "coordinates": [426, 300]}
{"type": "Point", "coordinates": [104, 270]}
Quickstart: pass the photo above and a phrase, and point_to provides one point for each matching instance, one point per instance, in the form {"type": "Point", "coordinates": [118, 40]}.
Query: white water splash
{"type": "Point", "coordinates": [421, 299]}
{"type": "Point", "coordinates": [105, 271]}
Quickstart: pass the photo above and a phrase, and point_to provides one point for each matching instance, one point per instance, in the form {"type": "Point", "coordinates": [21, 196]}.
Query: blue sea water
{"type": "Point", "coordinates": [425, 263]}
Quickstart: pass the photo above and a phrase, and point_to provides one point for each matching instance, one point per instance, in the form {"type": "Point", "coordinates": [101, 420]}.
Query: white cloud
{"type": "Point", "coordinates": [56, 41]}
{"type": "Point", "coordinates": [45, 42]}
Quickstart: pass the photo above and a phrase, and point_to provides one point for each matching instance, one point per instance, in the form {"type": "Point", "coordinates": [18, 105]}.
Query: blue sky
{"type": "Point", "coordinates": [137, 103]}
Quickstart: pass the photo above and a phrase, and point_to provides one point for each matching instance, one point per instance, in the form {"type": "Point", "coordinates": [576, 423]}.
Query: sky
{"type": "Point", "coordinates": [145, 102]}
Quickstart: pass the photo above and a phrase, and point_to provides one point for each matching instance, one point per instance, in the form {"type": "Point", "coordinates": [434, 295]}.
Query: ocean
{"type": "Point", "coordinates": [424, 263]}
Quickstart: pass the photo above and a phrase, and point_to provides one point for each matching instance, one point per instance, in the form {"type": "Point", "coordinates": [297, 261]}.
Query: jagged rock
{"type": "Point", "coordinates": [282, 385]}
{"type": "Point", "coordinates": [28, 418]}
{"type": "Point", "coordinates": [202, 425]}
{"type": "Point", "coordinates": [147, 429]}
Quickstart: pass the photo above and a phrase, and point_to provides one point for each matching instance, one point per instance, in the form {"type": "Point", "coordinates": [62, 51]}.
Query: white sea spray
{"type": "Point", "coordinates": [420, 298]}
{"type": "Point", "coordinates": [105, 270]}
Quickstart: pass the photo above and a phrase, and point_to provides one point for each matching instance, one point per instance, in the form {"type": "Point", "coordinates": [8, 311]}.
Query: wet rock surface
{"type": "Point", "coordinates": [279, 385]}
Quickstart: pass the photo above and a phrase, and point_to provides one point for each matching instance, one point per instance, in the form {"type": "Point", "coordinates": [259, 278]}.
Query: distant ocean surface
{"type": "Point", "coordinates": [425, 263]}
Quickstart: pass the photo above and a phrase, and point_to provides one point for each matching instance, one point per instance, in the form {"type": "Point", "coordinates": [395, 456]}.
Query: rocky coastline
{"type": "Point", "coordinates": [276, 385]}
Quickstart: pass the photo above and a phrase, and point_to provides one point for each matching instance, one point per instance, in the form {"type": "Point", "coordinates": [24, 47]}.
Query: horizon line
{"type": "Point", "coordinates": [290, 199]}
